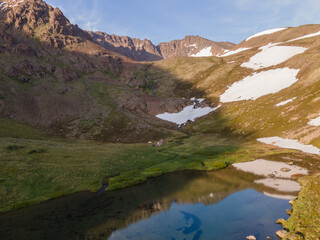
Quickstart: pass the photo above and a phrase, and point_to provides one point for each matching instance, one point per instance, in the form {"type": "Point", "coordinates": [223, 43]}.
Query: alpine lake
{"type": "Point", "coordinates": [225, 204]}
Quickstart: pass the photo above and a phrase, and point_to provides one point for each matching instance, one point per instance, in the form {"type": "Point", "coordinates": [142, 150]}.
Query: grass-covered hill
{"type": "Point", "coordinates": [261, 117]}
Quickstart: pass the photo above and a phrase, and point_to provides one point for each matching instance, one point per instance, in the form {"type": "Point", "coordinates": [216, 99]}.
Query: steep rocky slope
{"type": "Point", "coordinates": [145, 50]}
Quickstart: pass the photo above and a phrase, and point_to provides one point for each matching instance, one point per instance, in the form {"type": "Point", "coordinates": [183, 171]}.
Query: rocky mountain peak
{"type": "Point", "coordinates": [37, 18]}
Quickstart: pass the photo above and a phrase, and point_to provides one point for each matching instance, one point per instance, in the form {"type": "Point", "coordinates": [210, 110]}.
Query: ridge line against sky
{"type": "Point", "coordinates": [166, 20]}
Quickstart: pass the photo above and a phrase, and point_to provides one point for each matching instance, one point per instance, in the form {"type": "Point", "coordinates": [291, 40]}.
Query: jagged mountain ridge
{"type": "Point", "coordinates": [145, 50]}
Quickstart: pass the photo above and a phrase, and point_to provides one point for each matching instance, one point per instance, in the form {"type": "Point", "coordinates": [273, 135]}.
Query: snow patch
{"type": "Point", "coordinates": [290, 143]}
{"type": "Point", "coordinates": [265, 33]}
{"type": "Point", "coordinates": [272, 55]}
{"type": "Point", "coordinates": [193, 45]}
{"type": "Point", "coordinates": [306, 36]}
{"type": "Point", "coordinates": [228, 52]}
{"type": "Point", "coordinates": [188, 113]}
{"type": "Point", "coordinates": [260, 84]}
{"type": "Point", "coordinates": [265, 167]}
{"type": "Point", "coordinates": [315, 122]}
{"type": "Point", "coordinates": [285, 102]}
{"type": "Point", "coordinates": [205, 52]}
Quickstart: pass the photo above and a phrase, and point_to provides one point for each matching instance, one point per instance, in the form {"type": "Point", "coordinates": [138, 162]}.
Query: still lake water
{"type": "Point", "coordinates": [224, 204]}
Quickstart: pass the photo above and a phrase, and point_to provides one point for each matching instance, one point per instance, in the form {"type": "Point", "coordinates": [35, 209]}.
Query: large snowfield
{"type": "Point", "coordinates": [260, 84]}
{"type": "Point", "coordinates": [290, 143]}
{"type": "Point", "coordinates": [205, 52]}
{"type": "Point", "coordinates": [272, 55]}
{"type": "Point", "coordinates": [188, 113]}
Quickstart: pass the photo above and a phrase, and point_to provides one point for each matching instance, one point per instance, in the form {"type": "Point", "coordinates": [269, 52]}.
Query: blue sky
{"type": "Point", "coordinates": [165, 20]}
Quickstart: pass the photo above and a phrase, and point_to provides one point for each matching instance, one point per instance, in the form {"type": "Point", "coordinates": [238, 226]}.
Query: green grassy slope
{"type": "Point", "coordinates": [35, 167]}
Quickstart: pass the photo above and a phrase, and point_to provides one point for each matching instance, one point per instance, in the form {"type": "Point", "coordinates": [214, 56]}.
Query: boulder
{"type": "Point", "coordinates": [285, 169]}
{"type": "Point", "coordinates": [251, 237]}
{"type": "Point", "coordinates": [281, 234]}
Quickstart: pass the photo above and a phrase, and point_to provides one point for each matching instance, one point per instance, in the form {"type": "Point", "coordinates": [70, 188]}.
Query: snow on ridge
{"type": "Point", "coordinates": [188, 113]}
{"type": "Point", "coordinates": [285, 102]}
{"type": "Point", "coordinates": [290, 143]}
{"type": "Point", "coordinates": [205, 52]}
{"type": "Point", "coordinates": [315, 122]}
{"type": "Point", "coordinates": [305, 36]}
{"type": "Point", "coordinates": [260, 84]}
{"type": "Point", "coordinates": [265, 33]}
{"type": "Point", "coordinates": [272, 55]}
{"type": "Point", "coordinates": [14, 3]}
{"type": "Point", "coordinates": [229, 52]}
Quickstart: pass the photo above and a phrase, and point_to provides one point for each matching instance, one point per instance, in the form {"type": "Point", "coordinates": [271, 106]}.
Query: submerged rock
{"type": "Point", "coordinates": [251, 237]}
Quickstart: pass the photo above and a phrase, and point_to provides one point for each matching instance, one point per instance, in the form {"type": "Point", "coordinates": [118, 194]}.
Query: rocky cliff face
{"type": "Point", "coordinates": [38, 19]}
{"type": "Point", "coordinates": [145, 50]}
{"type": "Point", "coordinates": [134, 48]}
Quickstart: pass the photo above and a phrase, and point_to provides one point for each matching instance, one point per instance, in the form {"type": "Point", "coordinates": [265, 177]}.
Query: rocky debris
{"type": "Point", "coordinates": [285, 169]}
{"type": "Point", "coordinates": [281, 234]}
{"type": "Point", "coordinates": [251, 237]}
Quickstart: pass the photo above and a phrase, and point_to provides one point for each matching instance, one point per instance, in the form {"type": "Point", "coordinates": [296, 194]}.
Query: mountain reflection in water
{"type": "Point", "coordinates": [224, 204]}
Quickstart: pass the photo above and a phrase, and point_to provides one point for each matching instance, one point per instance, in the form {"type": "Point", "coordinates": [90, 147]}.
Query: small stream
{"type": "Point", "coordinates": [226, 204]}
